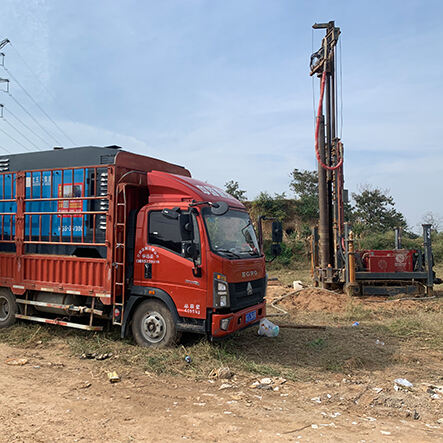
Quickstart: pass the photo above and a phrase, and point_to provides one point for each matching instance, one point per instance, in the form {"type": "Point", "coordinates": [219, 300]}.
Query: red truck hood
{"type": "Point", "coordinates": [171, 187]}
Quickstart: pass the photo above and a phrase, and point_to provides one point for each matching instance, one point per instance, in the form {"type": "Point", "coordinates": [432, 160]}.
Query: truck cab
{"type": "Point", "coordinates": [195, 249]}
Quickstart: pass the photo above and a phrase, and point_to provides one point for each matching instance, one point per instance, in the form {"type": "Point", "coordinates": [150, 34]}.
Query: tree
{"type": "Point", "coordinates": [304, 184]}
{"type": "Point", "coordinates": [374, 211]}
{"type": "Point", "coordinates": [232, 187]}
{"type": "Point", "coordinates": [270, 206]}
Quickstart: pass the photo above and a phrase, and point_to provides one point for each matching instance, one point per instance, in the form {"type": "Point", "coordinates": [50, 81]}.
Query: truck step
{"type": "Point", "coordinates": [54, 321]}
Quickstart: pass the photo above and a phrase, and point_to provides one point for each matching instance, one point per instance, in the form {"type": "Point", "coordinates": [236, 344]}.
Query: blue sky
{"type": "Point", "coordinates": [223, 87]}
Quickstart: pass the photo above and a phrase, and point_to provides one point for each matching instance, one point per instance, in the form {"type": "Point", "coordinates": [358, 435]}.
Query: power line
{"type": "Point", "coordinates": [26, 126]}
{"type": "Point", "coordinates": [30, 69]}
{"type": "Point", "coordinates": [38, 106]}
{"type": "Point", "coordinates": [34, 119]}
{"type": "Point", "coordinates": [21, 133]}
{"type": "Point", "coordinates": [13, 138]}
{"type": "Point", "coordinates": [36, 76]}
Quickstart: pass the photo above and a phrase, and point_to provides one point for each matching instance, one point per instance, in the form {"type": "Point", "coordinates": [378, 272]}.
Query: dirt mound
{"type": "Point", "coordinates": [313, 299]}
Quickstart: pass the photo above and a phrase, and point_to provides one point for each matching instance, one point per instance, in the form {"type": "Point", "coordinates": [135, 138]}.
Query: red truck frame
{"type": "Point", "coordinates": [81, 276]}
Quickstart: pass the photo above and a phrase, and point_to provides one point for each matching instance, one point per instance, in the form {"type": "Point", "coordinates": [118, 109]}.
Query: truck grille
{"type": "Point", "coordinates": [239, 296]}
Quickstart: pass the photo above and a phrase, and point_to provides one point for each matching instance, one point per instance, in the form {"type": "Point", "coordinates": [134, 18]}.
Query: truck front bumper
{"type": "Point", "coordinates": [225, 324]}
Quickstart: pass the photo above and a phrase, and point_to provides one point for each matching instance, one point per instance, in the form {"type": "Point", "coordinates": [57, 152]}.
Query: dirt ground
{"type": "Point", "coordinates": [332, 384]}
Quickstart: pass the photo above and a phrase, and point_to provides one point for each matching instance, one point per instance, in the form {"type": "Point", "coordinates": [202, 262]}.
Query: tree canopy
{"type": "Point", "coordinates": [374, 211]}
{"type": "Point", "coordinates": [304, 184]}
{"type": "Point", "coordinates": [232, 187]}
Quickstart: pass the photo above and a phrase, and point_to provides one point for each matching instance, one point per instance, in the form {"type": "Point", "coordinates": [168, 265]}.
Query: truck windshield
{"type": "Point", "coordinates": [231, 234]}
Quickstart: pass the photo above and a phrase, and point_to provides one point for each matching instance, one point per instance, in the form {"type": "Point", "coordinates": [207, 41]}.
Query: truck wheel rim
{"type": "Point", "coordinates": [4, 308]}
{"type": "Point", "coordinates": [153, 327]}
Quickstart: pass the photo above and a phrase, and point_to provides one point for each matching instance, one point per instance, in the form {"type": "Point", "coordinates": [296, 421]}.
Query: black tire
{"type": "Point", "coordinates": [153, 325]}
{"type": "Point", "coordinates": [8, 308]}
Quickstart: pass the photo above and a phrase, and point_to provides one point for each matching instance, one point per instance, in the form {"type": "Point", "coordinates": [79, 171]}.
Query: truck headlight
{"type": "Point", "coordinates": [224, 323]}
{"type": "Point", "coordinates": [221, 291]}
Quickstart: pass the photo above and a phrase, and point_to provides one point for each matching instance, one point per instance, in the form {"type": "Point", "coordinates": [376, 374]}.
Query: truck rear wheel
{"type": "Point", "coordinates": [8, 308]}
{"type": "Point", "coordinates": [153, 325]}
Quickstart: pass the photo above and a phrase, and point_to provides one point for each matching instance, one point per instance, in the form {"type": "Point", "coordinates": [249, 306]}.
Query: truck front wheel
{"type": "Point", "coordinates": [8, 308]}
{"type": "Point", "coordinates": [153, 325]}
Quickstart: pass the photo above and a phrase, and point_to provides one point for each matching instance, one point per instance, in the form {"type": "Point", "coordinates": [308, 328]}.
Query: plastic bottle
{"type": "Point", "coordinates": [268, 328]}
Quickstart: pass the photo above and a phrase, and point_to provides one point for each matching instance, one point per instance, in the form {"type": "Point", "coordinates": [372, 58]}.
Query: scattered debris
{"type": "Point", "coordinates": [269, 384]}
{"type": "Point", "coordinates": [257, 385]}
{"type": "Point", "coordinates": [188, 359]}
{"type": "Point", "coordinates": [113, 377]}
{"type": "Point", "coordinates": [86, 385]}
{"type": "Point", "coordinates": [385, 432]}
{"type": "Point", "coordinates": [104, 356]}
{"type": "Point", "coordinates": [88, 355]}
{"type": "Point", "coordinates": [378, 342]}
{"type": "Point", "coordinates": [266, 381]}
{"type": "Point", "coordinates": [402, 383]}
{"type": "Point", "coordinates": [222, 373]}
{"type": "Point", "coordinates": [356, 323]}
{"type": "Point", "coordinates": [297, 285]}
{"type": "Point", "coordinates": [225, 386]}
{"type": "Point", "coordinates": [16, 361]}
{"type": "Point", "coordinates": [316, 399]}
{"type": "Point", "coordinates": [96, 356]}
{"type": "Point", "coordinates": [434, 390]}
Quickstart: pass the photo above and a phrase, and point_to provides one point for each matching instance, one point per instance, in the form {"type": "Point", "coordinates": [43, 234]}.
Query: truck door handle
{"type": "Point", "coordinates": [148, 270]}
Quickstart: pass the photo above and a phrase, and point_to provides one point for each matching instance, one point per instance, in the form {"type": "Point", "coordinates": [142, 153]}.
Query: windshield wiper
{"type": "Point", "coordinates": [228, 251]}
{"type": "Point", "coordinates": [249, 251]}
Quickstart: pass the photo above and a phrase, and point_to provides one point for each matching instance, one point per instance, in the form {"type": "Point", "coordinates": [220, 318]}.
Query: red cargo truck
{"type": "Point", "coordinates": [92, 234]}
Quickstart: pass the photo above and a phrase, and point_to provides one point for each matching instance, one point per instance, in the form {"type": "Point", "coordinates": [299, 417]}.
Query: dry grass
{"type": "Point", "coordinates": [287, 276]}
{"type": "Point", "coordinates": [296, 354]}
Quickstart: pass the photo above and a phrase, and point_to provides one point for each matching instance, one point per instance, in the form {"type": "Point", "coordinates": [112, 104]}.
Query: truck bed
{"type": "Point", "coordinates": [58, 217]}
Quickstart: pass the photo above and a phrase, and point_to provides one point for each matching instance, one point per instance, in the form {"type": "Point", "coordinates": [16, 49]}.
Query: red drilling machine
{"type": "Point", "coordinates": [335, 263]}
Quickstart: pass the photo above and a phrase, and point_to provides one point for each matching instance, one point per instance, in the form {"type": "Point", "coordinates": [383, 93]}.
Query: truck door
{"type": "Point", "coordinates": [160, 262]}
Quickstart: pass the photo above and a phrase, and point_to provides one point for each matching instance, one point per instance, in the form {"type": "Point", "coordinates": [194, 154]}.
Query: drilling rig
{"type": "Point", "coordinates": [335, 262]}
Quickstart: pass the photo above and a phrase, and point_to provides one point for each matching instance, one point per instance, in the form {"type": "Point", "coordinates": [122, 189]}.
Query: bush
{"type": "Point", "coordinates": [386, 240]}
{"type": "Point", "coordinates": [293, 251]}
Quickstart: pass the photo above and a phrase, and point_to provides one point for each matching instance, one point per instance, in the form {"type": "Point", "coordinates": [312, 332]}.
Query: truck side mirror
{"type": "Point", "coordinates": [186, 227]}
{"type": "Point", "coordinates": [277, 232]}
{"type": "Point", "coordinates": [190, 250]}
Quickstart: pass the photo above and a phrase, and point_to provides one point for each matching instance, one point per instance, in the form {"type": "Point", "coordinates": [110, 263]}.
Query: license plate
{"type": "Point", "coordinates": [250, 316]}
